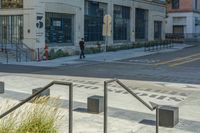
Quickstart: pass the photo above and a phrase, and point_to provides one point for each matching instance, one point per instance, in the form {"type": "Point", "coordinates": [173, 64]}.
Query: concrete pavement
{"type": "Point", "coordinates": [161, 84]}
{"type": "Point", "coordinates": [126, 114]}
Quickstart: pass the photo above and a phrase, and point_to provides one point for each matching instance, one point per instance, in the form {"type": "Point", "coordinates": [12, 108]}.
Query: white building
{"type": "Point", "coordinates": [62, 23]}
{"type": "Point", "coordinates": [184, 18]}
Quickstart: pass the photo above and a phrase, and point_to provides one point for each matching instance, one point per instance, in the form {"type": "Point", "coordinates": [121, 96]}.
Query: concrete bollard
{"type": "Point", "coordinates": [2, 87]}
{"type": "Point", "coordinates": [168, 116]}
{"type": "Point", "coordinates": [95, 104]}
{"type": "Point", "coordinates": [44, 93]}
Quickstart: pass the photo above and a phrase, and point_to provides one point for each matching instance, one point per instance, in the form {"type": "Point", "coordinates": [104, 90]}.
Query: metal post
{"type": "Point", "coordinates": [105, 107]}
{"type": "Point", "coordinates": [105, 49]}
{"type": "Point", "coordinates": [26, 56]}
{"type": "Point", "coordinates": [106, 43]}
{"type": "Point", "coordinates": [70, 108]}
{"type": "Point", "coordinates": [157, 119]}
{"type": "Point", "coordinates": [38, 54]}
{"type": "Point", "coordinates": [7, 56]}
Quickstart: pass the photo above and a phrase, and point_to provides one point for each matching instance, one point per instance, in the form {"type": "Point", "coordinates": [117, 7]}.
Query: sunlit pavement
{"type": "Point", "coordinates": [151, 77]}
{"type": "Point", "coordinates": [125, 112]}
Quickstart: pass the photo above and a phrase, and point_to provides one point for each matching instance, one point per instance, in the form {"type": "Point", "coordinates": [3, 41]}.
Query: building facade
{"type": "Point", "coordinates": [183, 17]}
{"type": "Point", "coordinates": [62, 23]}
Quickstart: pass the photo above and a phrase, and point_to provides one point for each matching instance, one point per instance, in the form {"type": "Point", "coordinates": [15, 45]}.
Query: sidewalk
{"type": "Point", "coordinates": [107, 57]}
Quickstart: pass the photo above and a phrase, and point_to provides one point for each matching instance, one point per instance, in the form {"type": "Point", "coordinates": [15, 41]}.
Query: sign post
{"type": "Point", "coordinates": [107, 26]}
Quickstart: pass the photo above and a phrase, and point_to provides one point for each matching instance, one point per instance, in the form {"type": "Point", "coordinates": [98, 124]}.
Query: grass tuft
{"type": "Point", "coordinates": [42, 116]}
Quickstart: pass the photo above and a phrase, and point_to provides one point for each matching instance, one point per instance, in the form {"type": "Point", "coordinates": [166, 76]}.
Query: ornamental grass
{"type": "Point", "coordinates": [42, 116]}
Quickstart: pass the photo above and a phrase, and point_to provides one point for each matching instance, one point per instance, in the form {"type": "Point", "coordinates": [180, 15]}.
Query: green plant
{"type": "Point", "coordinates": [51, 54]}
{"type": "Point", "coordinates": [60, 53]}
{"type": "Point", "coordinates": [7, 125]}
{"type": "Point", "coordinates": [42, 116]}
{"type": "Point", "coordinates": [92, 50]}
{"type": "Point", "coordinates": [57, 54]}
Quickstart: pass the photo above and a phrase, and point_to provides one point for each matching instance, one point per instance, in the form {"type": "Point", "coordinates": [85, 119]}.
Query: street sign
{"type": "Point", "coordinates": [107, 26]}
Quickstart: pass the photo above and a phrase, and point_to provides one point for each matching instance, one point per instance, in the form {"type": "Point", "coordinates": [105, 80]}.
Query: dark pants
{"type": "Point", "coordinates": [82, 55]}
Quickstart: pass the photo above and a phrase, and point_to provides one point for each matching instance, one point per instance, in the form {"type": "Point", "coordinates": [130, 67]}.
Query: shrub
{"type": "Point", "coordinates": [57, 54]}
{"type": "Point", "coordinates": [92, 50]}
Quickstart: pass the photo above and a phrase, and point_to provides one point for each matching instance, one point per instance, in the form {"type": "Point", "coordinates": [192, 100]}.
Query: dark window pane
{"type": "Point", "coordinates": [121, 22]}
{"type": "Point", "coordinates": [141, 23]}
{"type": "Point", "coordinates": [158, 30]}
{"type": "Point", "coordinates": [95, 12]}
{"type": "Point", "coordinates": [58, 28]}
{"type": "Point", "coordinates": [175, 4]}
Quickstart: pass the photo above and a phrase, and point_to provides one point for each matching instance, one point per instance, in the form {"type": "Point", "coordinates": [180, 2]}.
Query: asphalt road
{"type": "Point", "coordinates": [179, 67]}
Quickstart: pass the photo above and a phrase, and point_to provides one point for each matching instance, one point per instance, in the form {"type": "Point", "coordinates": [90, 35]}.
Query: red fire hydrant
{"type": "Point", "coordinates": [46, 51]}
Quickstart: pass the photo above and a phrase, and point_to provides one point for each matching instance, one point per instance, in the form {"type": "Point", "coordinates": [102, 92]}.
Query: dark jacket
{"type": "Point", "coordinates": [82, 45]}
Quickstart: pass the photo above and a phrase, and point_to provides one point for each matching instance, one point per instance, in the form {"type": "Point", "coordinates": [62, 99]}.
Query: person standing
{"type": "Point", "coordinates": [82, 48]}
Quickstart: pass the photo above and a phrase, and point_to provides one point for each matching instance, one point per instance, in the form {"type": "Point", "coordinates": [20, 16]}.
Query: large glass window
{"type": "Point", "coordinates": [121, 23]}
{"type": "Point", "coordinates": [94, 13]}
{"type": "Point", "coordinates": [59, 28]}
{"type": "Point", "coordinates": [158, 30]}
{"type": "Point", "coordinates": [11, 29]}
{"type": "Point", "coordinates": [141, 26]}
{"type": "Point", "coordinates": [175, 4]}
{"type": "Point", "coordinates": [11, 3]}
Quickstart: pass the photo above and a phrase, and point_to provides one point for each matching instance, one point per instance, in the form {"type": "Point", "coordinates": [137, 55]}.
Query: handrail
{"type": "Point", "coordinates": [23, 48]}
{"type": "Point", "coordinates": [42, 90]}
{"type": "Point", "coordinates": [152, 108]}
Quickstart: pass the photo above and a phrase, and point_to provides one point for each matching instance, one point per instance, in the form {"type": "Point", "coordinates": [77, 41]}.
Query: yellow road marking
{"type": "Point", "coordinates": [184, 62]}
{"type": "Point", "coordinates": [178, 59]}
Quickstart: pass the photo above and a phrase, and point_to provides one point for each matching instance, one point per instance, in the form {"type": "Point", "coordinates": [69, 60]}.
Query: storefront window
{"type": "Point", "coordinates": [121, 23]}
{"type": "Point", "coordinates": [59, 28]}
{"type": "Point", "coordinates": [11, 3]}
{"type": "Point", "coordinates": [94, 13]}
{"type": "Point", "coordinates": [141, 26]}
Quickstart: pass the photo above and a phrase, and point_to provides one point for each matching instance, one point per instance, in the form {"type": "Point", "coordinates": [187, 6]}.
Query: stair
{"type": "Point", "coordinates": [15, 53]}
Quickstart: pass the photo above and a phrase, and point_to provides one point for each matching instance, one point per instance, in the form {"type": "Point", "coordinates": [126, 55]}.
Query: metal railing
{"type": "Point", "coordinates": [158, 45]}
{"type": "Point", "coordinates": [152, 108]}
{"type": "Point", "coordinates": [42, 90]}
{"type": "Point", "coordinates": [22, 50]}
{"type": "Point", "coordinates": [19, 51]}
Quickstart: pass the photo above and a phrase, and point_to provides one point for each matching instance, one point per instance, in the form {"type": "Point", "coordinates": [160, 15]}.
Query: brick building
{"type": "Point", "coordinates": [183, 17]}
